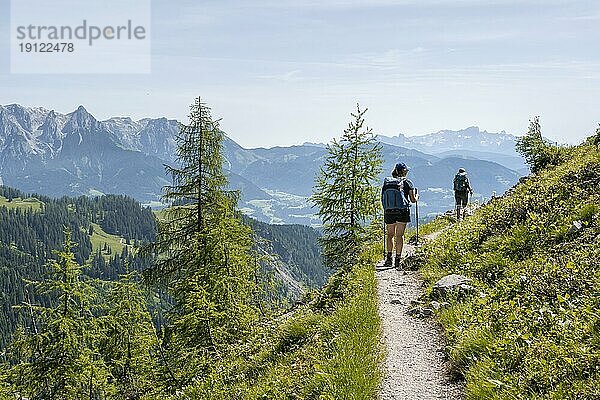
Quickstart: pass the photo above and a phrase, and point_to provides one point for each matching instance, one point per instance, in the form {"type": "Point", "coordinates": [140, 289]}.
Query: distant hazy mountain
{"type": "Point", "coordinates": [471, 138]}
{"type": "Point", "coordinates": [514, 162]}
{"type": "Point", "coordinates": [50, 153]}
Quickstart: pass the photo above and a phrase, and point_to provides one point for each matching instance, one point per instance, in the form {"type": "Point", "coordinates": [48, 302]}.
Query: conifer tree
{"type": "Point", "coordinates": [55, 356]}
{"type": "Point", "coordinates": [196, 197]}
{"type": "Point", "coordinates": [128, 342]}
{"type": "Point", "coordinates": [202, 250]}
{"type": "Point", "coordinates": [345, 194]}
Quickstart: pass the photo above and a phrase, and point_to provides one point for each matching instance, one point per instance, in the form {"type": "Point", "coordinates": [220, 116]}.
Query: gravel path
{"type": "Point", "coordinates": [415, 365]}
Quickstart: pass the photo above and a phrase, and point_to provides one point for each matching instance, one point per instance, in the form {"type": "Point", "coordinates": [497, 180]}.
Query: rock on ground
{"type": "Point", "coordinates": [449, 283]}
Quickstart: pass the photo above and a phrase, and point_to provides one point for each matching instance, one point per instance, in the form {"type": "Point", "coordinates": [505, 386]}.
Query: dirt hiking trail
{"type": "Point", "coordinates": [415, 366]}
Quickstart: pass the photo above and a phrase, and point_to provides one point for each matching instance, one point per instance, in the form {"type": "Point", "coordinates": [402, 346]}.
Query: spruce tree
{"type": "Point", "coordinates": [55, 355]}
{"type": "Point", "coordinates": [202, 251]}
{"type": "Point", "coordinates": [345, 192]}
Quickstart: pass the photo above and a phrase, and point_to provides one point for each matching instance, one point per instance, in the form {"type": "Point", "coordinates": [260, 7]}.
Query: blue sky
{"type": "Point", "coordinates": [285, 72]}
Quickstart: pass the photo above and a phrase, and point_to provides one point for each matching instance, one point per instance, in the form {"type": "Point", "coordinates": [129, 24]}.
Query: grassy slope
{"type": "Point", "coordinates": [99, 238]}
{"type": "Point", "coordinates": [17, 202]}
{"type": "Point", "coordinates": [531, 330]}
{"type": "Point", "coordinates": [330, 352]}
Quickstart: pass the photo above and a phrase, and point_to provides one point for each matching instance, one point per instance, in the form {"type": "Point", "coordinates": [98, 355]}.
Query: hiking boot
{"type": "Point", "coordinates": [388, 262]}
{"type": "Point", "coordinates": [397, 262]}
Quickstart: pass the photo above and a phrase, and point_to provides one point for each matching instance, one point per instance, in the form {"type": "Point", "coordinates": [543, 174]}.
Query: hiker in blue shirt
{"type": "Point", "coordinates": [462, 189]}
{"type": "Point", "coordinates": [396, 195]}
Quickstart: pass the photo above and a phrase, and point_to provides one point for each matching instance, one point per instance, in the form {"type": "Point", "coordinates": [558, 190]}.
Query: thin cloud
{"type": "Point", "coordinates": [291, 76]}
{"type": "Point", "coordinates": [389, 59]}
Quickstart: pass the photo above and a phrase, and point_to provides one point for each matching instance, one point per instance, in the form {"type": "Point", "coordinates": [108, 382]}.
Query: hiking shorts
{"type": "Point", "coordinates": [393, 216]}
{"type": "Point", "coordinates": [462, 198]}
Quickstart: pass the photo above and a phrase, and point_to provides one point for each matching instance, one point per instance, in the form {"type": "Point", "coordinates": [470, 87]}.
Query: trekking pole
{"type": "Point", "coordinates": [417, 215]}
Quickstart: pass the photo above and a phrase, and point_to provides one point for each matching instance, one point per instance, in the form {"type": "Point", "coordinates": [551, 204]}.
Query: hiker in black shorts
{"type": "Point", "coordinates": [396, 195]}
{"type": "Point", "coordinates": [462, 189]}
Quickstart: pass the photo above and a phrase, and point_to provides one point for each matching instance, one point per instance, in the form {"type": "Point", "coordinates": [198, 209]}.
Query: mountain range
{"type": "Point", "coordinates": [471, 138]}
{"type": "Point", "coordinates": [470, 143]}
{"type": "Point", "coordinates": [56, 154]}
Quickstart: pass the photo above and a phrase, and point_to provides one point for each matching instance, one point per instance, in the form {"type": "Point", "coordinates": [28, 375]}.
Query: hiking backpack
{"type": "Point", "coordinates": [393, 197]}
{"type": "Point", "coordinates": [461, 183]}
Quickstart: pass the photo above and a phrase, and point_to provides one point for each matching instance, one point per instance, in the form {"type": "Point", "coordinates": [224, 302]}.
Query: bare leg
{"type": "Point", "coordinates": [400, 228]}
{"type": "Point", "coordinates": [389, 242]}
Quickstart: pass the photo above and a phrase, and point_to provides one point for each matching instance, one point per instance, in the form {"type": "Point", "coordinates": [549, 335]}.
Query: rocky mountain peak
{"type": "Point", "coordinates": [21, 115]}
{"type": "Point", "coordinates": [157, 138]}
{"type": "Point", "coordinates": [471, 138]}
{"type": "Point", "coordinates": [81, 114]}
{"type": "Point", "coordinates": [50, 133]}
{"type": "Point", "coordinates": [80, 120]}
{"type": "Point", "coordinates": [160, 123]}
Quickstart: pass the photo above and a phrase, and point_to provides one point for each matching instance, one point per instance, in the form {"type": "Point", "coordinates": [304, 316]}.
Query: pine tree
{"type": "Point", "coordinates": [128, 343]}
{"type": "Point", "coordinates": [345, 194]}
{"type": "Point", "coordinates": [202, 250]}
{"type": "Point", "coordinates": [55, 356]}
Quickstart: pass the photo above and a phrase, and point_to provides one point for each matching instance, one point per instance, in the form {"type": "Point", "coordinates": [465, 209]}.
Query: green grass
{"type": "Point", "coordinates": [99, 238]}
{"type": "Point", "coordinates": [351, 369]}
{"type": "Point", "coordinates": [437, 224]}
{"type": "Point", "coordinates": [24, 204]}
{"type": "Point", "coordinates": [531, 329]}
{"type": "Point", "coordinates": [159, 214]}
{"type": "Point", "coordinates": [313, 353]}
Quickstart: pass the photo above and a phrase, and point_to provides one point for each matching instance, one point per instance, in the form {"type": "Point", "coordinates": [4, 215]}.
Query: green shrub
{"type": "Point", "coordinates": [295, 332]}
{"type": "Point", "coordinates": [536, 150]}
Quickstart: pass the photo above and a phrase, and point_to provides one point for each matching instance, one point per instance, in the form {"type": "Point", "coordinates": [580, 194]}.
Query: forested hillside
{"type": "Point", "coordinates": [108, 231]}
{"type": "Point", "coordinates": [31, 227]}
{"type": "Point", "coordinates": [529, 328]}
{"type": "Point", "coordinates": [297, 247]}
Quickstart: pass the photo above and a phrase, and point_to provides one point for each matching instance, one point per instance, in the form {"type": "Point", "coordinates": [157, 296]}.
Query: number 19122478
{"type": "Point", "coordinates": [64, 47]}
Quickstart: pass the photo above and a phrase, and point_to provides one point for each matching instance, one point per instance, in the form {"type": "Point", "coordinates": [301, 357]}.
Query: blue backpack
{"type": "Point", "coordinates": [393, 197]}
